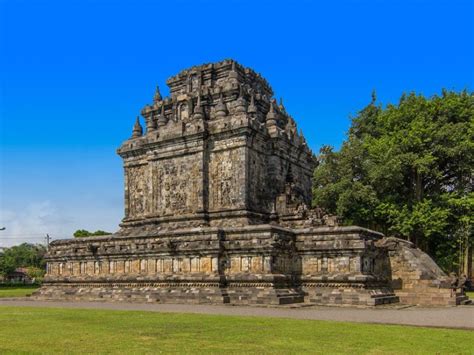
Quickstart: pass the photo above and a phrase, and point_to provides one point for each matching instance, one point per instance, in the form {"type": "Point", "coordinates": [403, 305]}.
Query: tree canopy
{"type": "Point", "coordinates": [23, 255]}
{"type": "Point", "coordinates": [407, 170]}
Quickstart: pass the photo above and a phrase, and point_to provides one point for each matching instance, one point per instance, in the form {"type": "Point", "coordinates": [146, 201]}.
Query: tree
{"type": "Point", "coordinates": [23, 255]}
{"type": "Point", "coordinates": [407, 170]}
{"type": "Point", "coordinates": [36, 273]}
{"type": "Point", "coordinates": [81, 233]}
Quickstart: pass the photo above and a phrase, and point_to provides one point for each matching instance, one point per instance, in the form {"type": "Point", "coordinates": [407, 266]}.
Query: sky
{"type": "Point", "coordinates": [75, 74]}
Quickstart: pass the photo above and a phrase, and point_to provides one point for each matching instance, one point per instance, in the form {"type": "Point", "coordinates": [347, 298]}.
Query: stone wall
{"type": "Point", "coordinates": [261, 264]}
{"type": "Point", "coordinates": [343, 266]}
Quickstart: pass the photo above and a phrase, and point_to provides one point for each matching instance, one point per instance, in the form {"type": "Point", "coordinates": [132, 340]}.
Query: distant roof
{"type": "Point", "coordinates": [22, 270]}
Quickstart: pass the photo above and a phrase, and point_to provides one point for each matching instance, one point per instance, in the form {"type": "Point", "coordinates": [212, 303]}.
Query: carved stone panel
{"type": "Point", "coordinates": [177, 185]}
{"type": "Point", "coordinates": [260, 196]}
{"type": "Point", "coordinates": [227, 179]}
{"type": "Point", "coordinates": [137, 194]}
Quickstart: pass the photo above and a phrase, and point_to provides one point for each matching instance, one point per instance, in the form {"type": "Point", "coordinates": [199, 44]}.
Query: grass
{"type": "Point", "coordinates": [53, 330]}
{"type": "Point", "coordinates": [470, 294]}
{"type": "Point", "coordinates": [17, 290]}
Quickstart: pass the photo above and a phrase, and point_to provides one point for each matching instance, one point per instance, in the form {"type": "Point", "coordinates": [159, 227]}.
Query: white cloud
{"type": "Point", "coordinates": [32, 223]}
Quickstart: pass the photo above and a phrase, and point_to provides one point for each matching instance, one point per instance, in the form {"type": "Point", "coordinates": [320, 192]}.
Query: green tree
{"type": "Point", "coordinates": [23, 255]}
{"type": "Point", "coordinates": [407, 170]}
{"type": "Point", "coordinates": [81, 233]}
{"type": "Point", "coordinates": [36, 273]}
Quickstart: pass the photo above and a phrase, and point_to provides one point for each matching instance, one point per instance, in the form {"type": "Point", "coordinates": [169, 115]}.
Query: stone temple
{"type": "Point", "coordinates": [218, 210]}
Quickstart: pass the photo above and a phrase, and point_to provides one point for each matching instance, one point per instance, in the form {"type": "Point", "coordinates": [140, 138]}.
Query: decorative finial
{"type": "Point", "coordinates": [271, 115]}
{"type": "Point", "coordinates": [271, 110]}
{"type": "Point", "coordinates": [233, 72]}
{"type": "Point", "coordinates": [241, 103]}
{"type": "Point", "coordinates": [281, 106]}
{"type": "Point", "coordinates": [198, 111]}
{"type": "Point", "coordinates": [137, 129]}
{"type": "Point", "coordinates": [290, 128]}
{"type": "Point", "coordinates": [157, 96]}
{"type": "Point", "coordinates": [221, 108]}
{"type": "Point", "coordinates": [252, 108]}
{"type": "Point", "coordinates": [150, 123]}
{"type": "Point", "coordinates": [161, 121]}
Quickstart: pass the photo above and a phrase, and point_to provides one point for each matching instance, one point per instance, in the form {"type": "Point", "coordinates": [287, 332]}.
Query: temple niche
{"type": "Point", "coordinates": [217, 209]}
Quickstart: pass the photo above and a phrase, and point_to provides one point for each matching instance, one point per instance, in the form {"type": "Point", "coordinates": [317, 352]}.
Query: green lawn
{"type": "Point", "coordinates": [40, 330]}
{"type": "Point", "coordinates": [17, 291]}
{"type": "Point", "coordinates": [470, 294]}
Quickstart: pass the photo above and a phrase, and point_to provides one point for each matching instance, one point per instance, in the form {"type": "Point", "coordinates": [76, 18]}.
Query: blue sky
{"type": "Point", "coordinates": [74, 75]}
